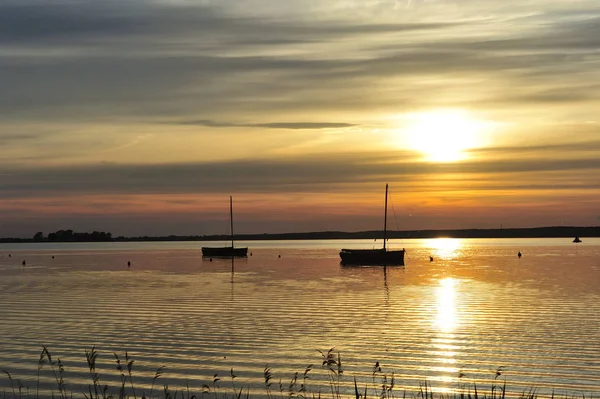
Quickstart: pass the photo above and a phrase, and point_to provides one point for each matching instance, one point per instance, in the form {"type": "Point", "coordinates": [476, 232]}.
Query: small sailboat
{"type": "Point", "coordinates": [576, 239]}
{"type": "Point", "coordinates": [226, 252]}
{"type": "Point", "coordinates": [374, 257]}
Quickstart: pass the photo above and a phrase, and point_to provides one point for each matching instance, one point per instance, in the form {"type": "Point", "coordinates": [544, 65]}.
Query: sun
{"type": "Point", "coordinates": [443, 135]}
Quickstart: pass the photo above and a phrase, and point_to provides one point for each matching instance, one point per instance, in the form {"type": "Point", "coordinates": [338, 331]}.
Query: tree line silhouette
{"type": "Point", "coordinates": [70, 235]}
{"type": "Point", "coordinates": [534, 232]}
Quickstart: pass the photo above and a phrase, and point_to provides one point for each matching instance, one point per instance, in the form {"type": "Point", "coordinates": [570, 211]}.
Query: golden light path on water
{"type": "Point", "coordinates": [445, 247]}
{"type": "Point", "coordinates": [446, 313]}
{"type": "Point", "coordinates": [450, 322]}
{"type": "Point", "coordinates": [446, 321]}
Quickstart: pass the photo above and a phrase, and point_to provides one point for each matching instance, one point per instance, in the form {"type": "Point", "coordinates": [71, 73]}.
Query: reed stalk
{"type": "Point", "coordinates": [384, 384]}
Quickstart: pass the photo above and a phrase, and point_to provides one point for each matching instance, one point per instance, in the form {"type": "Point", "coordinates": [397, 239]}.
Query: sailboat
{"type": "Point", "coordinates": [226, 252]}
{"type": "Point", "coordinates": [374, 257]}
{"type": "Point", "coordinates": [577, 239]}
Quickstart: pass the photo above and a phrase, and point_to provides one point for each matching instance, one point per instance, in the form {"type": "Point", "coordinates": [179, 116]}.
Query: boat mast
{"type": "Point", "coordinates": [231, 218]}
{"type": "Point", "coordinates": [385, 218]}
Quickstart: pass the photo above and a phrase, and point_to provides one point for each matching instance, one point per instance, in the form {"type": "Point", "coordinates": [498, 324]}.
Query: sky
{"type": "Point", "coordinates": [143, 117]}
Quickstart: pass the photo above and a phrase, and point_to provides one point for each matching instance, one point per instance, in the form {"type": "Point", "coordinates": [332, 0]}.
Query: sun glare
{"type": "Point", "coordinates": [443, 135]}
{"type": "Point", "coordinates": [445, 247]}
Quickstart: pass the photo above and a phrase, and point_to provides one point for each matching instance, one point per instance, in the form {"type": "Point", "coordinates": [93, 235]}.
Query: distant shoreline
{"type": "Point", "coordinates": [533, 232]}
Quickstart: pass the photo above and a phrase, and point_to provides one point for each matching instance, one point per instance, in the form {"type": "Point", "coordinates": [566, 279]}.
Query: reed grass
{"type": "Point", "coordinates": [382, 384]}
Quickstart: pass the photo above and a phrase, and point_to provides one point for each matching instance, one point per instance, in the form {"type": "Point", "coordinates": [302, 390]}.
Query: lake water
{"type": "Point", "coordinates": [476, 310]}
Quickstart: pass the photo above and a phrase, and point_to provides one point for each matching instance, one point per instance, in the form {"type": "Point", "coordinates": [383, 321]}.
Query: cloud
{"type": "Point", "coordinates": [108, 59]}
{"type": "Point", "coordinates": [10, 138]}
{"type": "Point", "coordinates": [53, 22]}
{"type": "Point", "coordinates": [317, 173]}
{"type": "Point", "coordinates": [551, 148]}
{"type": "Point", "coordinates": [274, 125]}
{"type": "Point", "coordinates": [35, 21]}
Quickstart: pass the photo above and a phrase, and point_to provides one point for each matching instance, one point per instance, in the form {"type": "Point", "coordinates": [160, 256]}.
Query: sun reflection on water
{"type": "Point", "coordinates": [445, 293]}
{"type": "Point", "coordinates": [446, 320]}
{"type": "Point", "coordinates": [446, 247]}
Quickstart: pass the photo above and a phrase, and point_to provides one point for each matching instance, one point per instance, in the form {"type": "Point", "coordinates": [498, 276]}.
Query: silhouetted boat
{"type": "Point", "coordinates": [226, 252]}
{"type": "Point", "coordinates": [374, 257]}
{"type": "Point", "coordinates": [576, 239]}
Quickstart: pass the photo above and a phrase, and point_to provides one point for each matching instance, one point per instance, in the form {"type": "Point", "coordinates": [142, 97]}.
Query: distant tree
{"type": "Point", "coordinates": [39, 236]}
{"type": "Point", "coordinates": [61, 235]}
{"type": "Point", "coordinates": [72, 236]}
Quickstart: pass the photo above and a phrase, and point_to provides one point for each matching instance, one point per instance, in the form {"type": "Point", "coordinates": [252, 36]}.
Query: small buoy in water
{"type": "Point", "coordinates": [210, 259]}
{"type": "Point", "coordinates": [52, 256]}
{"type": "Point", "coordinates": [280, 256]}
{"type": "Point", "coordinates": [431, 258]}
{"type": "Point", "coordinates": [128, 264]}
{"type": "Point", "coordinates": [519, 254]}
{"type": "Point", "coordinates": [24, 263]}
{"type": "Point", "coordinates": [250, 253]}
{"type": "Point", "coordinates": [9, 255]}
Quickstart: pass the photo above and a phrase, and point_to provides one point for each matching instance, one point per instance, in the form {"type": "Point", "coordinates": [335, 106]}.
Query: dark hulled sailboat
{"type": "Point", "coordinates": [374, 257]}
{"type": "Point", "coordinates": [226, 252]}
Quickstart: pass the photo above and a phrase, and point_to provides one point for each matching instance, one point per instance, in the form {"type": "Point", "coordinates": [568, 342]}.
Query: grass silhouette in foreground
{"type": "Point", "coordinates": [382, 385]}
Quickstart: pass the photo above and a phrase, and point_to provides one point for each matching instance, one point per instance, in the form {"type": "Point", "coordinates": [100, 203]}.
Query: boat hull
{"type": "Point", "coordinates": [224, 252]}
{"type": "Point", "coordinates": [372, 257]}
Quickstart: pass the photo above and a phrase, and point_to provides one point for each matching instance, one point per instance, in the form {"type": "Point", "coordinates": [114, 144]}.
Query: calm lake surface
{"type": "Point", "coordinates": [454, 321]}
